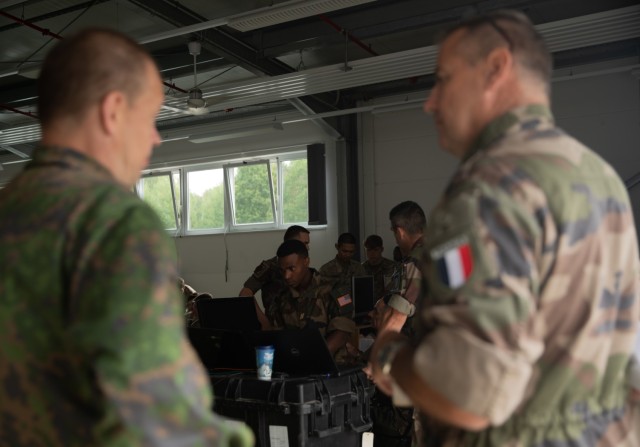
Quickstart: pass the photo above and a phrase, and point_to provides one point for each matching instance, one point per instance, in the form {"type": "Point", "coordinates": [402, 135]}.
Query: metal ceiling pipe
{"type": "Point", "coordinates": [44, 31]}
{"type": "Point", "coordinates": [351, 37]}
{"type": "Point", "coordinates": [11, 109]}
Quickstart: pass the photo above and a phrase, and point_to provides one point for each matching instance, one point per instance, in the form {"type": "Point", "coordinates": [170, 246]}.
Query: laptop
{"type": "Point", "coordinates": [363, 294]}
{"type": "Point", "coordinates": [302, 352]}
{"type": "Point", "coordinates": [237, 313]}
{"type": "Point", "coordinates": [222, 349]}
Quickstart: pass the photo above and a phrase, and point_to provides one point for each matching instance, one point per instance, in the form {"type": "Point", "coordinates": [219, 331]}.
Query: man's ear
{"type": "Point", "coordinates": [337, 246]}
{"type": "Point", "coordinates": [111, 111]}
{"type": "Point", "coordinates": [498, 66]}
{"type": "Point", "coordinates": [306, 261]}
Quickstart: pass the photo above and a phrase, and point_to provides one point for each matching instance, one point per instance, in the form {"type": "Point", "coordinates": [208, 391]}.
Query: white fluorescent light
{"type": "Point", "coordinates": [235, 133]}
{"type": "Point", "coordinates": [8, 73]}
{"type": "Point", "coordinates": [288, 11]}
{"type": "Point", "coordinates": [184, 30]}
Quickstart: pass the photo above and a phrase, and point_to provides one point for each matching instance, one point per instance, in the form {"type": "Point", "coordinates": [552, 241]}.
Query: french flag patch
{"type": "Point", "coordinates": [455, 265]}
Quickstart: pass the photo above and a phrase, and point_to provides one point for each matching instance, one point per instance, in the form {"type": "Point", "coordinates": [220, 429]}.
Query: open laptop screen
{"type": "Point", "coordinates": [363, 291]}
{"type": "Point", "coordinates": [237, 313]}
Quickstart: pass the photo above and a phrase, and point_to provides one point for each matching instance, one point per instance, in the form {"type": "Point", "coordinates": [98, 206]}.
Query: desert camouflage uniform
{"type": "Point", "coordinates": [268, 278]}
{"type": "Point", "coordinates": [92, 343]}
{"type": "Point", "coordinates": [538, 336]}
{"type": "Point", "coordinates": [338, 274]}
{"type": "Point", "coordinates": [318, 304]}
{"type": "Point", "coordinates": [385, 268]}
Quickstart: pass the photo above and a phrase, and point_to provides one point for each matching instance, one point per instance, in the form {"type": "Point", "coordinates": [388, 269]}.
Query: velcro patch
{"type": "Point", "coordinates": [455, 265]}
{"type": "Point", "coordinates": [344, 300]}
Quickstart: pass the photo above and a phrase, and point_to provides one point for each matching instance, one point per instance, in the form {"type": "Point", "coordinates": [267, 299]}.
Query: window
{"type": "Point", "coordinates": [233, 195]}
{"type": "Point", "coordinates": [251, 194]}
{"type": "Point", "coordinates": [205, 205]}
{"type": "Point", "coordinates": [162, 192]}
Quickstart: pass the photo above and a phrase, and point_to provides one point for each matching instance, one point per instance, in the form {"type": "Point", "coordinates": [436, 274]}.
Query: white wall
{"type": "Point", "coordinates": [401, 160]}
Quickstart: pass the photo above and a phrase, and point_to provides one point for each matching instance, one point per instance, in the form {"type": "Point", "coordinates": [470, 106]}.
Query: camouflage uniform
{"type": "Point", "coordinates": [405, 287]}
{"type": "Point", "coordinates": [338, 274]}
{"type": "Point", "coordinates": [392, 425]}
{"type": "Point", "coordinates": [268, 278]}
{"type": "Point", "coordinates": [329, 312]}
{"type": "Point", "coordinates": [531, 264]}
{"type": "Point", "coordinates": [386, 267]}
{"type": "Point", "coordinates": [92, 340]}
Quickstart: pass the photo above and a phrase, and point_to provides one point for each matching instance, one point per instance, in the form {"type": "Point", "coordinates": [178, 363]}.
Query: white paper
{"type": "Point", "coordinates": [278, 436]}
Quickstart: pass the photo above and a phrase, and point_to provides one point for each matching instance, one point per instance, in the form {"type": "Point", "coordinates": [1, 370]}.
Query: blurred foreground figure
{"type": "Point", "coordinates": [93, 349]}
{"type": "Point", "coordinates": [530, 264]}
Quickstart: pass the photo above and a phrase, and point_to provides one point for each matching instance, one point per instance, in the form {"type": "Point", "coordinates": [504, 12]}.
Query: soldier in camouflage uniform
{"type": "Point", "coordinates": [377, 265]}
{"type": "Point", "coordinates": [338, 272]}
{"type": "Point", "coordinates": [307, 302]}
{"type": "Point", "coordinates": [396, 313]}
{"type": "Point", "coordinates": [408, 223]}
{"type": "Point", "coordinates": [93, 350]}
{"type": "Point", "coordinates": [267, 276]}
{"type": "Point", "coordinates": [531, 264]}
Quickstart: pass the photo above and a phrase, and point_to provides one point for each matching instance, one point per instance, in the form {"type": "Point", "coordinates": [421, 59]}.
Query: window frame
{"type": "Point", "coordinates": [181, 204]}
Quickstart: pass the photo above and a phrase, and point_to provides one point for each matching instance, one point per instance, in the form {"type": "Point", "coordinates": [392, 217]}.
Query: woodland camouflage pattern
{"type": "Point", "coordinates": [268, 278]}
{"type": "Point", "coordinates": [318, 305]}
{"type": "Point", "coordinates": [338, 273]}
{"type": "Point", "coordinates": [92, 344]}
{"type": "Point", "coordinates": [538, 338]}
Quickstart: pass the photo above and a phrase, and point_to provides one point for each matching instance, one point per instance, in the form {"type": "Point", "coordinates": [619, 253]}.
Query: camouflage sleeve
{"type": "Point", "coordinates": [359, 270]}
{"type": "Point", "coordinates": [126, 315]}
{"type": "Point", "coordinates": [404, 301]}
{"type": "Point", "coordinates": [340, 311]}
{"type": "Point", "coordinates": [481, 298]}
{"type": "Point", "coordinates": [259, 277]}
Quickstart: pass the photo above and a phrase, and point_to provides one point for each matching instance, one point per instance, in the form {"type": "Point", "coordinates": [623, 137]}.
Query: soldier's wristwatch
{"type": "Point", "coordinates": [387, 354]}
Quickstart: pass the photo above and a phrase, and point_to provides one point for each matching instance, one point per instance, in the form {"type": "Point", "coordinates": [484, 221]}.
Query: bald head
{"type": "Point", "coordinates": [80, 70]}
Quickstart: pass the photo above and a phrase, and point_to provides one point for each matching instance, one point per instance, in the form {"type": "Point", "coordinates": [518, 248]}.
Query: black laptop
{"type": "Point", "coordinates": [363, 293]}
{"type": "Point", "coordinates": [237, 313]}
{"type": "Point", "coordinates": [302, 352]}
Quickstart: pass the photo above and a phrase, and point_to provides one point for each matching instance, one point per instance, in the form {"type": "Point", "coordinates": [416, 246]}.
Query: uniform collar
{"type": "Point", "coordinates": [69, 158]}
{"type": "Point", "coordinates": [514, 119]}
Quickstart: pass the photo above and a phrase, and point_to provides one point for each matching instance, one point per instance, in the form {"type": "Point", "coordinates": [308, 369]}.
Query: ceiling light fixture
{"type": "Point", "coordinates": [288, 11]}
{"type": "Point", "coordinates": [235, 133]}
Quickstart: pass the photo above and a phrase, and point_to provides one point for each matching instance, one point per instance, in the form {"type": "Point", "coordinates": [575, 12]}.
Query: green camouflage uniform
{"type": "Point", "coordinates": [537, 334]}
{"type": "Point", "coordinates": [92, 340]}
{"type": "Point", "coordinates": [318, 303]}
{"type": "Point", "coordinates": [386, 267]}
{"type": "Point", "coordinates": [268, 278]}
{"type": "Point", "coordinates": [338, 274]}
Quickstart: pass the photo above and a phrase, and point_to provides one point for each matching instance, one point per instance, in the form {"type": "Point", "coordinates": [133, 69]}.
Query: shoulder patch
{"type": "Point", "coordinates": [344, 300]}
{"type": "Point", "coordinates": [454, 262]}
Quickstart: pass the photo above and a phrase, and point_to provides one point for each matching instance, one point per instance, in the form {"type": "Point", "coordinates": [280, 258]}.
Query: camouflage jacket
{"type": "Point", "coordinates": [268, 278]}
{"type": "Point", "coordinates": [327, 311]}
{"type": "Point", "coordinates": [338, 274]}
{"type": "Point", "coordinates": [385, 268]}
{"type": "Point", "coordinates": [531, 267]}
{"type": "Point", "coordinates": [407, 284]}
{"type": "Point", "coordinates": [92, 341]}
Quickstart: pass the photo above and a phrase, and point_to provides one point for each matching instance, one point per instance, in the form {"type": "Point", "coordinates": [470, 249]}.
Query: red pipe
{"type": "Point", "coordinates": [45, 32]}
{"type": "Point", "coordinates": [352, 38]}
{"type": "Point", "coordinates": [32, 115]}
